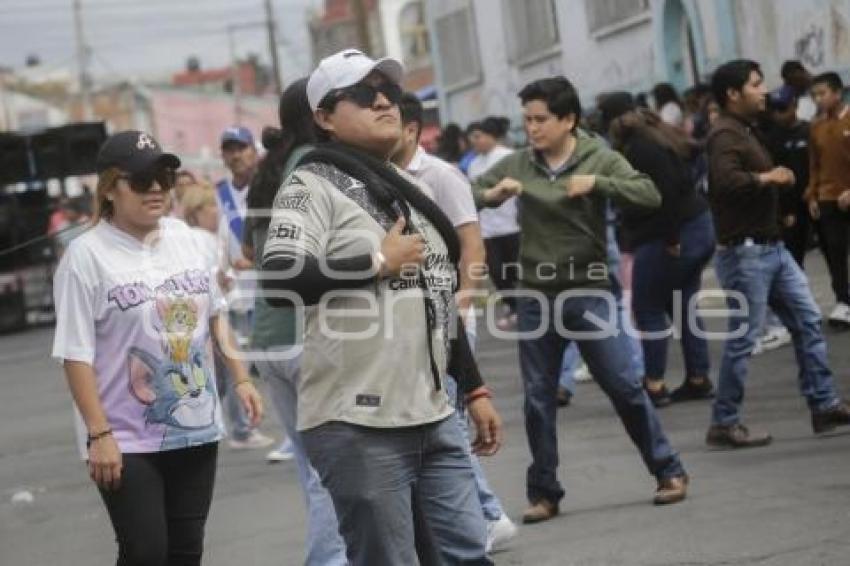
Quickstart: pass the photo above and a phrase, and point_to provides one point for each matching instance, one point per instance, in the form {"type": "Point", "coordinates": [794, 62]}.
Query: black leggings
{"type": "Point", "coordinates": [502, 256]}
{"type": "Point", "coordinates": [160, 510]}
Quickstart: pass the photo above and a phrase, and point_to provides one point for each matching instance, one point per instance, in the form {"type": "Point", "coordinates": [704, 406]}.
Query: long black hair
{"type": "Point", "coordinates": [296, 128]}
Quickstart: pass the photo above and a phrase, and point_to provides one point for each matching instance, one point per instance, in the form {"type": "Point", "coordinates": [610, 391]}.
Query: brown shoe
{"type": "Point", "coordinates": [671, 490]}
{"type": "Point", "coordinates": [825, 421]}
{"type": "Point", "coordinates": [736, 436]}
{"type": "Point", "coordinates": [540, 511]}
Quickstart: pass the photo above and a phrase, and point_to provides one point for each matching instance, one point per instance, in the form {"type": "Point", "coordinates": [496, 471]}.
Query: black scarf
{"type": "Point", "coordinates": [391, 191]}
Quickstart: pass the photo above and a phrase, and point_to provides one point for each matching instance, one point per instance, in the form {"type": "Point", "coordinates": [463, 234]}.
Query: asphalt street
{"type": "Point", "coordinates": [784, 505]}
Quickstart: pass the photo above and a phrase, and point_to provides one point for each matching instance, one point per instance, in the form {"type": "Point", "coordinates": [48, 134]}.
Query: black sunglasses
{"type": "Point", "coordinates": [143, 182]}
{"type": "Point", "coordinates": [363, 95]}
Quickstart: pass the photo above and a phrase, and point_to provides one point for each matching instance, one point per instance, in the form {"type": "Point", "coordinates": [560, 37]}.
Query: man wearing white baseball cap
{"type": "Point", "coordinates": [374, 261]}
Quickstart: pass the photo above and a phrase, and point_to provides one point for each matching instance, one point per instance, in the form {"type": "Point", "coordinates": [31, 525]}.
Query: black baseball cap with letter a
{"type": "Point", "coordinates": [134, 152]}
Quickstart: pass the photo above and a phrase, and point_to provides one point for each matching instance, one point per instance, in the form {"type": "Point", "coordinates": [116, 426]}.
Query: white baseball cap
{"type": "Point", "coordinates": [346, 68]}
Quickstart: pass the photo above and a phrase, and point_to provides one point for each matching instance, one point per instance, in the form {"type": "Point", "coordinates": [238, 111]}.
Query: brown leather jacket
{"type": "Point", "coordinates": [741, 206]}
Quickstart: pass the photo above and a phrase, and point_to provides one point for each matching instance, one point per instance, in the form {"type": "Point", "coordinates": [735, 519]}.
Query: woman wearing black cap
{"type": "Point", "coordinates": [672, 245]}
{"type": "Point", "coordinates": [135, 306]}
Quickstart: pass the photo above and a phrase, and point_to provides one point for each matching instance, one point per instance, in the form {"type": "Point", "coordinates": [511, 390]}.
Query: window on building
{"type": "Point", "coordinates": [458, 48]}
{"type": "Point", "coordinates": [531, 27]}
{"type": "Point", "coordinates": [414, 35]}
{"type": "Point", "coordinates": [604, 13]}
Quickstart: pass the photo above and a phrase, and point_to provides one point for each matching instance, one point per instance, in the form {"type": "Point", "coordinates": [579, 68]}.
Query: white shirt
{"type": "Point", "coordinates": [138, 313]}
{"type": "Point", "coordinates": [671, 113]}
{"type": "Point", "coordinates": [451, 190]}
{"type": "Point", "coordinates": [806, 108]}
{"type": "Point", "coordinates": [502, 220]}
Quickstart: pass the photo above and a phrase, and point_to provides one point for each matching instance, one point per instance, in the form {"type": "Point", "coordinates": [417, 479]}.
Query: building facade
{"type": "Point", "coordinates": [485, 50]}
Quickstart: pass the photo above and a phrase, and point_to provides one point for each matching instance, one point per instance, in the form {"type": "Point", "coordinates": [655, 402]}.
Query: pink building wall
{"type": "Point", "coordinates": [190, 123]}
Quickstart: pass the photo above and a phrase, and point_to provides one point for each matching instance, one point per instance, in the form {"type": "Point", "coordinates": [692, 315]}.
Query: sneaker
{"type": "Point", "coordinates": [254, 440]}
{"type": "Point", "coordinates": [282, 453]}
{"type": "Point", "coordinates": [775, 337]}
{"type": "Point", "coordinates": [582, 374]}
{"type": "Point", "coordinates": [840, 316]}
{"type": "Point", "coordinates": [499, 533]}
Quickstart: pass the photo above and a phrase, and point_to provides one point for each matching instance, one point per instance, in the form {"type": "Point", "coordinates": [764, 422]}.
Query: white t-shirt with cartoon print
{"type": "Point", "coordinates": [139, 314]}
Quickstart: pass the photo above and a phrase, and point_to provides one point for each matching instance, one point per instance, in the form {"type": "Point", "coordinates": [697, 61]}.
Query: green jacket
{"type": "Point", "coordinates": [563, 239]}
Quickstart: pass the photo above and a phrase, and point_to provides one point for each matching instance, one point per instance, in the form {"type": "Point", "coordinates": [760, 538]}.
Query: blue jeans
{"type": "Point", "coordinates": [325, 546]}
{"type": "Point", "coordinates": [608, 360]}
{"type": "Point", "coordinates": [490, 504]}
{"type": "Point", "coordinates": [663, 285]}
{"type": "Point", "coordinates": [613, 252]}
{"type": "Point", "coordinates": [767, 275]}
{"type": "Point", "coordinates": [569, 366]}
{"type": "Point", "coordinates": [572, 359]}
{"type": "Point", "coordinates": [375, 475]}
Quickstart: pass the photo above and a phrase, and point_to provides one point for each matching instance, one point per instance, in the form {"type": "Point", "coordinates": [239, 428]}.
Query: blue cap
{"type": "Point", "coordinates": [781, 98]}
{"type": "Point", "coordinates": [237, 134]}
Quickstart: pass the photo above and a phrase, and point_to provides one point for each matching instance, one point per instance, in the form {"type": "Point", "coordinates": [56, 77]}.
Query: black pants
{"type": "Point", "coordinates": [797, 237]}
{"type": "Point", "coordinates": [834, 224]}
{"type": "Point", "coordinates": [160, 510]}
{"type": "Point", "coordinates": [502, 256]}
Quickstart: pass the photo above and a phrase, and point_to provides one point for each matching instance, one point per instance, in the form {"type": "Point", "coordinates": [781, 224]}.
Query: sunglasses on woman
{"type": "Point", "coordinates": [363, 95]}
{"type": "Point", "coordinates": [143, 182]}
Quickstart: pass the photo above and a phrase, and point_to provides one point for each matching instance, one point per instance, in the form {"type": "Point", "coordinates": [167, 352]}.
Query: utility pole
{"type": "Point", "coordinates": [83, 53]}
{"type": "Point", "coordinates": [234, 75]}
{"type": "Point", "coordinates": [361, 21]}
{"type": "Point", "coordinates": [271, 28]}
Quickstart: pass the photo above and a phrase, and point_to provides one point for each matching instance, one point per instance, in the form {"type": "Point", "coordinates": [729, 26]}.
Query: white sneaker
{"type": "Point", "coordinates": [840, 315]}
{"type": "Point", "coordinates": [255, 440]}
{"type": "Point", "coordinates": [282, 453]}
{"type": "Point", "coordinates": [775, 337]}
{"type": "Point", "coordinates": [499, 533]}
{"type": "Point", "coordinates": [582, 374]}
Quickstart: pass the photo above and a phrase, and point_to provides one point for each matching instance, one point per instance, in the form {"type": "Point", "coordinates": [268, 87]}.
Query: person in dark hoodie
{"type": "Point", "coordinates": [565, 180]}
{"type": "Point", "coordinates": [788, 143]}
{"type": "Point", "coordinates": [671, 245]}
{"type": "Point", "coordinates": [753, 265]}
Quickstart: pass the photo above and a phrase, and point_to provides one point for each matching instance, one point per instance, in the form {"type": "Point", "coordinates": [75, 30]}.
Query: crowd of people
{"type": "Point", "coordinates": [347, 268]}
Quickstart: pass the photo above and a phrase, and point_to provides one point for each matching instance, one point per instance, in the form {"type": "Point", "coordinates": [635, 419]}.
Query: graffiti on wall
{"type": "Point", "coordinates": [631, 72]}
{"type": "Point", "coordinates": [810, 46]}
{"type": "Point", "coordinates": [840, 36]}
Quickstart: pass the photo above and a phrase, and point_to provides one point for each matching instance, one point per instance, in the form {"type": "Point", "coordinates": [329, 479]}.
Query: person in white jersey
{"type": "Point", "coordinates": [135, 308]}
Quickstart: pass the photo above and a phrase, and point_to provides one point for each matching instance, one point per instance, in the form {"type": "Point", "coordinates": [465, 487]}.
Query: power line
{"type": "Point", "coordinates": [160, 5]}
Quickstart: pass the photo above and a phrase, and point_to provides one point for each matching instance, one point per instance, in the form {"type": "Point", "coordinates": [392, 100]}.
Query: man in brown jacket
{"type": "Point", "coordinates": [828, 193]}
{"type": "Point", "coordinates": [753, 265]}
